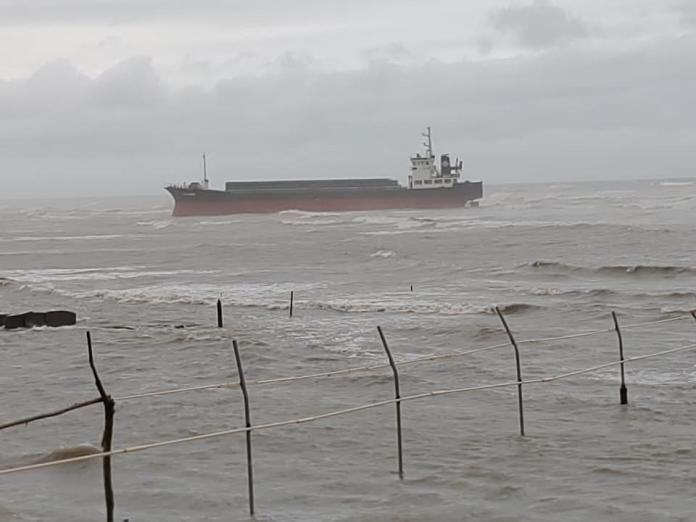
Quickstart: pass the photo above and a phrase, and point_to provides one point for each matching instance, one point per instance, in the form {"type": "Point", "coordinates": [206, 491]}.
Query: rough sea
{"type": "Point", "coordinates": [556, 258]}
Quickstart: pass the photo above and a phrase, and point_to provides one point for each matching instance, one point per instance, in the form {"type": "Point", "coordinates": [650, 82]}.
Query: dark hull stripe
{"type": "Point", "coordinates": [217, 202]}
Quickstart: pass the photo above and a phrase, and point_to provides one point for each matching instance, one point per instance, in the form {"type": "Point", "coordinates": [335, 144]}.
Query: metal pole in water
{"type": "Point", "coordinates": [247, 420]}
{"type": "Point", "coordinates": [219, 312]}
{"type": "Point", "coordinates": [397, 396]}
{"type": "Point", "coordinates": [623, 391]}
{"type": "Point", "coordinates": [292, 299]}
{"type": "Point", "coordinates": [519, 370]}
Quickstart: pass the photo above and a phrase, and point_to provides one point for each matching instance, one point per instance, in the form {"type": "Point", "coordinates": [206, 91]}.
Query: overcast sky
{"type": "Point", "coordinates": [123, 96]}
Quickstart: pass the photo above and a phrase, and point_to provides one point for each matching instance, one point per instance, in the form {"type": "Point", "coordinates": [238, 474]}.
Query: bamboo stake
{"type": "Point", "coordinates": [41, 416]}
{"type": "Point", "coordinates": [416, 360]}
{"type": "Point", "coordinates": [519, 370]}
{"type": "Point", "coordinates": [109, 407]}
{"type": "Point", "coordinates": [219, 313]}
{"type": "Point", "coordinates": [247, 421]}
{"type": "Point", "coordinates": [397, 396]}
{"type": "Point", "coordinates": [354, 409]}
{"type": "Point", "coordinates": [623, 390]}
{"type": "Point", "coordinates": [292, 300]}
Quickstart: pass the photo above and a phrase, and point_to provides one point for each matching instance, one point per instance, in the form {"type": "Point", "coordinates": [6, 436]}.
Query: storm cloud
{"type": "Point", "coordinates": [687, 13]}
{"type": "Point", "coordinates": [563, 111]}
{"type": "Point", "coordinates": [539, 24]}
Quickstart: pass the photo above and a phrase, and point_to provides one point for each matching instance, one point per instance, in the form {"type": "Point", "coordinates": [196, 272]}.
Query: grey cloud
{"type": "Point", "coordinates": [539, 24]}
{"type": "Point", "coordinates": [127, 11]}
{"type": "Point", "coordinates": [394, 53]}
{"type": "Point", "coordinates": [564, 114]}
{"type": "Point", "coordinates": [114, 11]}
{"type": "Point", "coordinates": [132, 83]}
{"type": "Point", "coordinates": [687, 13]}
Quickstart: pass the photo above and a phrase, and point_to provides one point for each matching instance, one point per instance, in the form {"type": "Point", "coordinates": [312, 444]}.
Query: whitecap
{"type": "Point", "coordinates": [383, 253]}
{"type": "Point", "coordinates": [675, 183]}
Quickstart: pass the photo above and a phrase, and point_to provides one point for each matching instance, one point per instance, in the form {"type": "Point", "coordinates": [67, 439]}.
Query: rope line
{"type": "Point", "coordinates": [416, 360]}
{"type": "Point", "coordinates": [281, 380]}
{"type": "Point", "coordinates": [304, 420]}
{"type": "Point", "coordinates": [659, 321]}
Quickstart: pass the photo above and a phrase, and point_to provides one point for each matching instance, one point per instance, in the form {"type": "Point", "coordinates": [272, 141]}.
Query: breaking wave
{"type": "Point", "coordinates": [72, 238]}
{"type": "Point", "coordinates": [676, 183]}
{"type": "Point", "coordinates": [270, 296]}
{"type": "Point", "coordinates": [432, 308]}
{"type": "Point", "coordinates": [308, 214]}
{"type": "Point", "coordinates": [157, 225]}
{"type": "Point", "coordinates": [276, 297]}
{"type": "Point", "coordinates": [7, 282]}
{"type": "Point", "coordinates": [220, 222]}
{"type": "Point", "coordinates": [569, 291]}
{"type": "Point", "coordinates": [383, 253]}
{"type": "Point", "coordinates": [313, 222]}
{"type": "Point", "coordinates": [555, 266]}
{"type": "Point", "coordinates": [678, 309]}
{"type": "Point", "coordinates": [67, 453]}
{"type": "Point", "coordinates": [94, 274]}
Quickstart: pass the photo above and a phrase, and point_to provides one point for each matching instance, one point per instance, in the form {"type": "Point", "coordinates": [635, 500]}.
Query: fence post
{"type": "Point", "coordinates": [519, 369]}
{"type": "Point", "coordinates": [292, 299]}
{"type": "Point", "coordinates": [109, 408]}
{"type": "Point", "coordinates": [247, 420]}
{"type": "Point", "coordinates": [623, 391]}
{"type": "Point", "coordinates": [397, 396]}
{"type": "Point", "coordinates": [219, 312]}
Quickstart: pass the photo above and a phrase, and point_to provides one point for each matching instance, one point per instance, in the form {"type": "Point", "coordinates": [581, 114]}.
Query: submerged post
{"type": "Point", "coordinates": [292, 299]}
{"type": "Point", "coordinates": [219, 312]}
{"type": "Point", "coordinates": [623, 391]}
{"type": "Point", "coordinates": [247, 420]}
{"type": "Point", "coordinates": [519, 369]}
{"type": "Point", "coordinates": [397, 396]}
{"type": "Point", "coordinates": [109, 408]}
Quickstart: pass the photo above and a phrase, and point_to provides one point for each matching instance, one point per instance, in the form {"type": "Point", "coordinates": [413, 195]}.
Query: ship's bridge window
{"type": "Point", "coordinates": [428, 181]}
{"type": "Point", "coordinates": [438, 181]}
{"type": "Point", "coordinates": [418, 182]}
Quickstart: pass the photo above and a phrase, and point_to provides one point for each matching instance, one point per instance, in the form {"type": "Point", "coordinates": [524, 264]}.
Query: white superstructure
{"type": "Point", "coordinates": [425, 174]}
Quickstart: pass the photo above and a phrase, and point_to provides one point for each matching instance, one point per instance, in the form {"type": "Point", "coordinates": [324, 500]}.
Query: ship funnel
{"type": "Point", "coordinates": [445, 166]}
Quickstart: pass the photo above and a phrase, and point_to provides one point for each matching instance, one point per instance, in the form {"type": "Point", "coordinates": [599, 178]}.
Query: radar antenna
{"type": "Point", "coordinates": [428, 144]}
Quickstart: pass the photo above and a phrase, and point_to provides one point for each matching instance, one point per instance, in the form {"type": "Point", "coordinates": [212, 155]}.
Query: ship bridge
{"type": "Point", "coordinates": [424, 171]}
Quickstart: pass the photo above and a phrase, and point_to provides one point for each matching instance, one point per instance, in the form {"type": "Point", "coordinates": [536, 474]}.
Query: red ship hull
{"type": "Point", "coordinates": [198, 202]}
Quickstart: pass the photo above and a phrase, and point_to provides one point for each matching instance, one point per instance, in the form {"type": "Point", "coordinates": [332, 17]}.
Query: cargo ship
{"type": "Point", "coordinates": [429, 187]}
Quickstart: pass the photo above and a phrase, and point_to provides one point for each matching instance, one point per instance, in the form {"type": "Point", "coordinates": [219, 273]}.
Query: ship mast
{"type": "Point", "coordinates": [205, 171]}
{"type": "Point", "coordinates": [429, 143]}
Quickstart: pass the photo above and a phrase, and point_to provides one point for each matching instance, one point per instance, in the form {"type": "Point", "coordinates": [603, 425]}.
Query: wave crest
{"type": "Point", "coordinates": [276, 297]}
{"type": "Point", "coordinates": [7, 282]}
{"type": "Point", "coordinates": [567, 291]}
{"type": "Point", "coordinates": [68, 453]}
{"type": "Point", "coordinates": [429, 308]}
{"type": "Point", "coordinates": [557, 266]}
{"type": "Point", "coordinates": [383, 253]}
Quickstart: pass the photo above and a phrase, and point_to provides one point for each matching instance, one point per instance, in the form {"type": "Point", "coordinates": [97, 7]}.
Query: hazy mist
{"type": "Point", "coordinates": [100, 98]}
